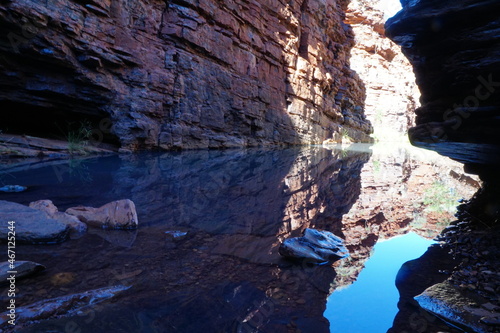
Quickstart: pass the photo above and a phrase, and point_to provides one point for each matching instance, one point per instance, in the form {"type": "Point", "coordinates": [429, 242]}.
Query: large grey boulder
{"type": "Point", "coordinates": [77, 228]}
{"type": "Point", "coordinates": [315, 246]}
{"type": "Point", "coordinates": [31, 226]}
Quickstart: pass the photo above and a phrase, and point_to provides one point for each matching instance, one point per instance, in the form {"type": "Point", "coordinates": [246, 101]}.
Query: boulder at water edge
{"type": "Point", "coordinates": [119, 214]}
{"type": "Point", "coordinates": [31, 226]}
{"type": "Point", "coordinates": [77, 228]}
{"type": "Point", "coordinates": [315, 246]}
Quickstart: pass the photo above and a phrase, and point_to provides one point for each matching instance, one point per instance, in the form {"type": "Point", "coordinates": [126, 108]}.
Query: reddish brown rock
{"type": "Point", "coordinates": [119, 214]}
{"type": "Point", "coordinates": [181, 74]}
{"type": "Point", "coordinates": [391, 92]}
{"type": "Point", "coordinates": [76, 226]}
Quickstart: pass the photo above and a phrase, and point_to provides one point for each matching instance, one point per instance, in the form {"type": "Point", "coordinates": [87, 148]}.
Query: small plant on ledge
{"type": "Point", "coordinates": [78, 139]}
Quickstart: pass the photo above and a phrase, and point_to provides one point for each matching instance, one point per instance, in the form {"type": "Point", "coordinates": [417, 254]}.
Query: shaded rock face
{"type": "Point", "coordinates": [180, 74]}
{"type": "Point", "coordinates": [453, 47]}
{"type": "Point", "coordinates": [391, 92]}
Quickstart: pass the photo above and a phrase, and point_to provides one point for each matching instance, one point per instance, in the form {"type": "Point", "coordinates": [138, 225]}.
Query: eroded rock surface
{"type": "Point", "coordinates": [181, 74]}
{"type": "Point", "coordinates": [453, 47]}
{"type": "Point", "coordinates": [21, 267]}
{"type": "Point", "coordinates": [391, 92]}
{"type": "Point", "coordinates": [120, 214]}
{"type": "Point", "coordinates": [76, 226]}
{"type": "Point", "coordinates": [60, 306]}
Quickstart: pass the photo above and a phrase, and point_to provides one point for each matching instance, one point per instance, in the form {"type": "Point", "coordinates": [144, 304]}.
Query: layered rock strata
{"type": "Point", "coordinates": [453, 47]}
{"type": "Point", "coordinates": [391, 92]}
{"type": "Point", "coordinates": [180, 74]}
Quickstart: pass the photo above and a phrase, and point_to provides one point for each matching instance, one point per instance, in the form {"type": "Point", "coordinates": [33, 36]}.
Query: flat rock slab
{"type": "Point", "coordinates": [460, 308]}
{"type": "Point", "coordinates": [31, 226]}
{"type": "Point", "coordinates": [22, 269]}
{"type": "Point", "coordinates": [60, 306]}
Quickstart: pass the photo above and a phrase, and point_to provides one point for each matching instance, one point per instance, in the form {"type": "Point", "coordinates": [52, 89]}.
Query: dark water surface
{"type": "Point", "coordinates": [231, 209]}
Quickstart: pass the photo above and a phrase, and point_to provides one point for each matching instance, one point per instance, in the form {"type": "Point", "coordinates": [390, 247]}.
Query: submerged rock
{"type": "Point", "coordinates": [13, 188]}
{"type": "Point", "coordinates": [120, 214]}
{"type": "Point", "coordinates": [315, 246]}
{"type": "Point", "coordinates": [60, 306]}
{"type": "Point", "coordinates": [77, 228]}
{"type": "Point", "coordinates": [22, 269]}
{"type": "Point", "coordinates": [176, 234]}
{"type": "Point", "coordinates": [31, 226]}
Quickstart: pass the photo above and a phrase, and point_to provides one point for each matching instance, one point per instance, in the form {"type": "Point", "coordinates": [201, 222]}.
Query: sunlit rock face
{"type": "Point", "coordinates": [453, 47]}
{"type": "Point", "coordinates": [391, 92]}
{"type": "Point", "coordinates": [181, 74]}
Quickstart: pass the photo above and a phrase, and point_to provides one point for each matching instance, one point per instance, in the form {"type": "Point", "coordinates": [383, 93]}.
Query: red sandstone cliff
{"type": "Point", "coordinates": [181, 74]}
{"type": "Point", "coordinates": [391, 92]}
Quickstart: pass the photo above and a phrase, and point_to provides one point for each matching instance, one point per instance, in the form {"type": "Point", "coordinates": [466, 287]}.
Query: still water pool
{"type": "Point", "coordinates": [370, 303]}
{"type": "Point", "coordinates": [205, 259]}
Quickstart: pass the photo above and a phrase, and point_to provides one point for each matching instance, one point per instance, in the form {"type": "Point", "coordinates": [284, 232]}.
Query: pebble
{"type": "Point", "coordinates": [63, 278]}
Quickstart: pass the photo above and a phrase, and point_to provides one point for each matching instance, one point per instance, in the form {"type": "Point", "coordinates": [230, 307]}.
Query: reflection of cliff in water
{"type": "Point", "coordinates": [236, 206]}
{"type": "Point", "coordinates": [402, 189]}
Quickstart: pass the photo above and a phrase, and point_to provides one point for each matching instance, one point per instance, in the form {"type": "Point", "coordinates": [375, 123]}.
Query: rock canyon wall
{"type": "Point", "coordinates": [180, 74]}
{"type": "Point", "coordinates": [391, 92]}
{"type": "Point", "coordinates": [453, 47]}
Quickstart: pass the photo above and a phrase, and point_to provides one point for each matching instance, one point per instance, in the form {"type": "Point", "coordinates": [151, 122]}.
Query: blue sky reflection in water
{"type": "Point", "coordinates": [369, 305]}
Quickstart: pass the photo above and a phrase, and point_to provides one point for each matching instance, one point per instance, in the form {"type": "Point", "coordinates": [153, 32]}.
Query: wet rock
{"type": "Point", "coordinates": [453, 305]}
{"type": "Point", "coordinates": [119, 214]}
{"type": "Point", "coordinates": [315, 246]}
{"type": "Point", "coordinates": [13, 188]}
{"type": "Point", "coordinates": [31, 226]}
{"type": "Point", "coordinates": [77, 228]}
{"type": "Point", "coordinates": [60, 306]}
{"type": "Point", "coordinates": [25, 146]}
{"type": "Point", "coordinates": [22, 269]}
